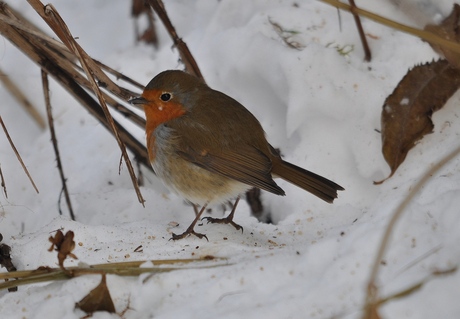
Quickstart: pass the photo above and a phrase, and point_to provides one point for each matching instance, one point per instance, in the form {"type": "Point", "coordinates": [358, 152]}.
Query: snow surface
{"type": "Point", "coordinates": [320, 107]}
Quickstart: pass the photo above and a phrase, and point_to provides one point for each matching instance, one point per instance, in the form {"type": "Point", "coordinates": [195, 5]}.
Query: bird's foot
{"type": "Point", "coordinates": [187, 233]}
{"type": "Point", "coordinates": [226, 220]}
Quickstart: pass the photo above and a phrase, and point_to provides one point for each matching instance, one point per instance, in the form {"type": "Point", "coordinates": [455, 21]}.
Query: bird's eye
{"type": "Point", "coordinates": [165, 97]}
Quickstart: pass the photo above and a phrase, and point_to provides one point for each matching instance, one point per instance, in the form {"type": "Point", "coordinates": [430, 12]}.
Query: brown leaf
{"type": "Point", "coordinates": [138, 8]}
{"type": "Point", "coordinates": [149, 36]}
{"type": "Point", "coordinates": [5, 260]}
{"type": "Point", "coordinates": [406, 114]}
{"type": "Point", "coordinates": [64, 245]}
{"type": "Point", "coordinates": [98, 299]}
{"type": "Point", "coordinates": [5, 256]}
{"type": "Point", "coordinates": [449, 30]}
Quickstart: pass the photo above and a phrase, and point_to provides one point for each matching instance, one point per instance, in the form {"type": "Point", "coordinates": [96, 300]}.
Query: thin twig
{"type": "Point", "coordinates": [17, 154]}
{"type": "Point", "coordinates": [367, 51]}
{"type": "Point", "coordinates": [3, 184]}
{"type": "Point", "coordinates": [54, 141]}
{"type": "Point", "coordinates": [187, 58]}
{"type": "Point", "coordinates": [372, 288]}
{"type": "Point", "coordinates": [140, 176]}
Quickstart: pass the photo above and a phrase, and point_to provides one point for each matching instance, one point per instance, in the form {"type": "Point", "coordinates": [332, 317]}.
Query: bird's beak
{"type": "Point", "coordinates": [138, 101]}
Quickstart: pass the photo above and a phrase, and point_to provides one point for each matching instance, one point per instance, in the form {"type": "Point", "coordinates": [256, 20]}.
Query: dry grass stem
{"type": "Point", "coordinates": [59, 62]}
{"type": "Point", "coordinates": [2, 182]}
{"type": "Point", "coordinates": [131, 268]}
{"type": "Point", "coordinates": [372, 296]}
{"type": "Point", "coordinates": [17, 155]}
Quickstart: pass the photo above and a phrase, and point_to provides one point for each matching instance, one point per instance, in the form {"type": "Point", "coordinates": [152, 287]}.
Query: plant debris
{"type": "Point", "coordinates": [406, 113]}
{"type": "Point", "coordinates": [5, 260]}
{"type": "Point", "coordinates": [63, 244]}
{"type": "Point", "coordinates": [449, 30]}
{"type": "Point", "coordinates": [98, 299]}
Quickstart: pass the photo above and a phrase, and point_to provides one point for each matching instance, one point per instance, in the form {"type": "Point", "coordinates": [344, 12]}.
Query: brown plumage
{"type": "Point", "coordinates": [209, 148]}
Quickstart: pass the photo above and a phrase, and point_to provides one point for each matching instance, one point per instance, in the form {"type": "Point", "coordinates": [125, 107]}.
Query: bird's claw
{"type": "Point", "coordinates": [223, 221]}
{"type": "Point", "coordinates": [187, 233]}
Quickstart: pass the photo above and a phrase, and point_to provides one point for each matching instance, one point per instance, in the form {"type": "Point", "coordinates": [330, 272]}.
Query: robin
{"type": "Point", "coordinates": [209, 149]}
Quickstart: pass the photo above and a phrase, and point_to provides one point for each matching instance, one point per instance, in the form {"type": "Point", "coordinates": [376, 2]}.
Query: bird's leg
{"type": "Point", "coordinates": [228, 219]}
{"type": "Point", "coordinates": [195, 209]}
{"type": "Point", "coordinates": [190, 230]}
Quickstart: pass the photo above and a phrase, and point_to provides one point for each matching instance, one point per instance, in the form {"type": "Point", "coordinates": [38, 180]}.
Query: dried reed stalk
{"type": "Point", "coordinates": [131, 268]}
{"type": "Point", "coordinates": [93, 72]}
{"type": "Point", "coordinates": [58, 61]}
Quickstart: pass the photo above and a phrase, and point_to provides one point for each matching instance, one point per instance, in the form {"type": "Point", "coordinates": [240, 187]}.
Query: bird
{"type": "Point", "coordinates": [208, 148]}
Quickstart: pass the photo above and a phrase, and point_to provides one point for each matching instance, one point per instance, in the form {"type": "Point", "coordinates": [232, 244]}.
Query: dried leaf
{"type": "Point", "coordinates": [64, 245]}
{"type": "Point", "coordinates": [5, 260]}
{"type": "Point", "coordinates": [449, 30]}
{"type": "Point", "coordinates": [406, 114]}
{"type": "Point", "coordinates": [149, 35]}
{"type": "Point", "coordinates": [98, 299]}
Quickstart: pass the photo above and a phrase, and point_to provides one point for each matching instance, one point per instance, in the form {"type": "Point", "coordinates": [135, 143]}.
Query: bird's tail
{"type": "Point", "coordinates": [311, 182]}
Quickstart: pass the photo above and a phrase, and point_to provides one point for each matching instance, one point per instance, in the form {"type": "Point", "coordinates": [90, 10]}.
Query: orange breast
{"type": "Point", "coordinates": [152, 150]}
{"type": "Point", "coordinates": [158, 112]}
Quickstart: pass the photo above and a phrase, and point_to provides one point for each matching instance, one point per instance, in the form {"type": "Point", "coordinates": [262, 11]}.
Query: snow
{"type": "Point", "coordinates": [321, 107]}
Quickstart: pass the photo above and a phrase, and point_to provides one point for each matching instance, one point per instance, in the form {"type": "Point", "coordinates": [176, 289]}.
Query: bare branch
{"type": "Point", "coordinates": [187, 58]}
{"type": "Point", "coordinates": [3, 184]}
{"type": "Point", "coordinates": [362, 36]}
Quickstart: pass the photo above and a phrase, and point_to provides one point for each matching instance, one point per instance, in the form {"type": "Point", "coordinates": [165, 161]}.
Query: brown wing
{"type": "Point", "coordinates": [248, 165]}
{"type": "Point", "coordinates": [222, 136]}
